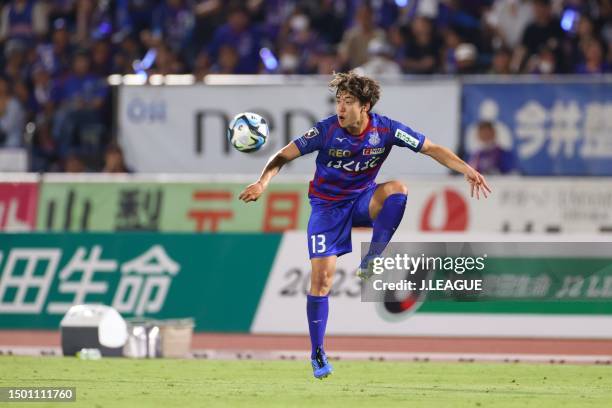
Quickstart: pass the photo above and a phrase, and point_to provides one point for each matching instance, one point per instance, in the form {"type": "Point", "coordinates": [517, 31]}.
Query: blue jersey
{"type": "Point", "coordinates": [21, 21]}
{"type": "Point", "coordinates": [347, 164]}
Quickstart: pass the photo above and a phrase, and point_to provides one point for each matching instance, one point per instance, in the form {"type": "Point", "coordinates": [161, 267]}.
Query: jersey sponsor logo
{"type": "Point", "coordinates": [369, 151]}
{"type": "Point", "coordinates": [341, 139]}
{"type": "Point", "coordinates": [354, 166]}
{"type": "Point", "coordinates": [339, 153]}
{"type": "Point", "coordinates": [408, 139]}
{"type": "Point", "coordinates": [374, 138]}
{"type": "Point", "coordinates": [312, 132]}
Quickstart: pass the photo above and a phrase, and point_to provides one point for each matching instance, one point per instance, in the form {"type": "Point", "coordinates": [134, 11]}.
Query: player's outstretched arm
{"type": "Point", "coordinates": [449, 159]}
{"type": "Point", "coordinates": [253, 191]}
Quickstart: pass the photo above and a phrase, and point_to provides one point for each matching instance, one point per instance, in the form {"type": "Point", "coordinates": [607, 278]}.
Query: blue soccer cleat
{"type": "Point", "coordinates": [320, 366]}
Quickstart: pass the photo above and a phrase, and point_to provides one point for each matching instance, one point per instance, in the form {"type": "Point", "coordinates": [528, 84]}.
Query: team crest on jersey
{"type": "Point", "coordinates": [370, 151]}
{"type": "Point", "coordinates": [374, 138]}
{"type": "Point", "coordinates": [312, 132]}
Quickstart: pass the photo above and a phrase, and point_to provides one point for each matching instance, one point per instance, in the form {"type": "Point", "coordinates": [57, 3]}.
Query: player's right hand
{"type": "Point", "coordinates": [252, 192]}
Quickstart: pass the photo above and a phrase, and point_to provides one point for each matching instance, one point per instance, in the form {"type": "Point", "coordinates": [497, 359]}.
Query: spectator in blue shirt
{"type": "Point", "coordinates": [227, 61]}
{"type": "Point", "coordinates": [12, 117]}
{"type": "Point", "coordinates": [22, 21]}
{"type": "Point", "coordinates": [240, 35]}
{"type": "Point", "coordinates": [55, 56]}
{"type": "Point", "coordinates": [593, 59]}
{"type": "Point", "coordinates": [173, 21]}
{"type": "Point", "coordinates": [79, 100]}
{"type": "Point", "coordinates": [490, 158]}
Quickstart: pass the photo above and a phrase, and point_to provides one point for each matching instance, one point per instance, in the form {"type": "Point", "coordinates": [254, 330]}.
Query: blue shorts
{"type": "Point", "coordinates": [330, 223]}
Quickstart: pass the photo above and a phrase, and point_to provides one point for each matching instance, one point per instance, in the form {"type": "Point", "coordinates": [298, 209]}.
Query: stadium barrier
{"type": "Point", "coordinates": [154, 275]}
{"type": "Point", "coordinates": [181, 129]}
{"type": "Point", "coordinates": [258, 283]}
{"type": "Point", "coordinates": [553, 126]}
{"type": "Point", "coordinates": [175, 203]}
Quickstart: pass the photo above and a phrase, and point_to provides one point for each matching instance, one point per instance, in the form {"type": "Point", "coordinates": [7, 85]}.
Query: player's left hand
{"type": "Point", "coordinates": [478, 183]}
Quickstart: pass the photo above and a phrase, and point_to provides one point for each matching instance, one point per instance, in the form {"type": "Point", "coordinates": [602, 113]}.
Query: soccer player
{"type": "Point", "coordinates": [351, 145]}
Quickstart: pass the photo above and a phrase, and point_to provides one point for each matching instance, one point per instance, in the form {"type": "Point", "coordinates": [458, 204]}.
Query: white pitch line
{"type": "Point", "coordinates": [213, 354]}
{"type": "Point", "coordinates": [30, 351]}
{"type": "Point", "coordinates": [402, 356]}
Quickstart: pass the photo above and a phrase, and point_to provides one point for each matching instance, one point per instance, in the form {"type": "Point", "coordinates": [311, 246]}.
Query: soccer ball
{"type": "Point", "coordinates": [248, 132]}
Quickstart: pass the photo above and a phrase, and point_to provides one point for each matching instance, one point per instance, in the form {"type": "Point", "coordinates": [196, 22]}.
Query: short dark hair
{"type": "Point", "coordinates": [361, 87]}
{"type": "Point", "coordinates": [545, 3]}
{"type": "Point", "coordinates": [486, 124]}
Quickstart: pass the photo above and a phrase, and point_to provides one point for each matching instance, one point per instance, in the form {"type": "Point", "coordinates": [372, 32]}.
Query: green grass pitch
{"type": "Point", "coordinates": [206, 383]}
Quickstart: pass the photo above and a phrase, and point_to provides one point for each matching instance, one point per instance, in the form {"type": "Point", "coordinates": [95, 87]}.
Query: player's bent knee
{"type": "Point", "coordinates": [396, 187]}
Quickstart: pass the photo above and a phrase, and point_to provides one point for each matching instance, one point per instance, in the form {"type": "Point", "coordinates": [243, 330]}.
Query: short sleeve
{"type": "Point", "coordinates": [404, 136]}
{"type": "Point", "coordinates": [311, 140]}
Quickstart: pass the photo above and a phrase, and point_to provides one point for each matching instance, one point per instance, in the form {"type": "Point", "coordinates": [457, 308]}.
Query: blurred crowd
{"type": "Point", "coordinates": [56, 54]}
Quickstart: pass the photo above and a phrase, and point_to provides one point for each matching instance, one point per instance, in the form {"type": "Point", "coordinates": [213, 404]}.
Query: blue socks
{"type": "Point", "coordinates": [389, 218]}
{"type": "Point", "coordinates": [317, 309]}
{"type": "Point", "coordinates": [385, 225]}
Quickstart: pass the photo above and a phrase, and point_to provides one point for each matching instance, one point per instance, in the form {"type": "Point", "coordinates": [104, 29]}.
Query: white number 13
{"type": "Point", "coordinates": [318, 243]}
